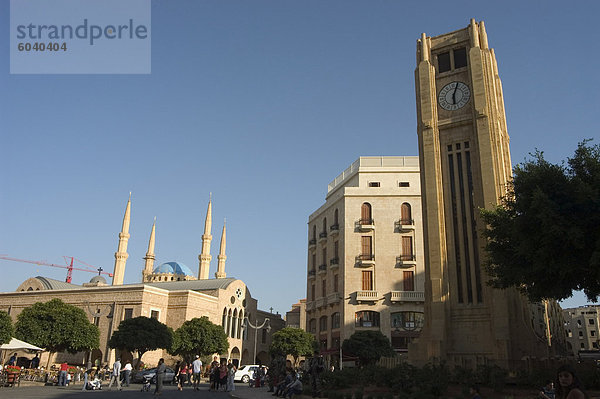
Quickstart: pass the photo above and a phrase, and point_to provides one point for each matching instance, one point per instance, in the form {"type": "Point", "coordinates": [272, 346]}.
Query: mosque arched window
{"type": "Point", "coordinates": [234, 323]}
{"type": "Point", "coordinates": [228, 331]}
{"type": "Point", "coordinates": [240, 322]}
{"type": "Point", "coordinates": [224, 321]}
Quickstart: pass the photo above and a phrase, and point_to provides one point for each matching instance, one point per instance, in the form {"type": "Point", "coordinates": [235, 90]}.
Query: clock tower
{"type": "Point", "coordinates": [465, 164]}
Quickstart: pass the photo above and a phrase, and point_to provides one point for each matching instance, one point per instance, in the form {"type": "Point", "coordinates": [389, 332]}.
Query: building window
{"type": "Point", "coordinates": [314, 232]}
{"type": "Point", "coordinates": [312, 326]}
{"type": "Point", "coordinates": [409, 321]}
{"type": "Point", "coordinates": [582, 345]}
{"type": "Point", "coordinates": [324, 232]}
{"type": "Point", "coordinates": [374, 184]}
{"type": "Point", "coordinates": [366, 318]}
{"type": "Point", "coordinates": [128, 314]}
{"type": "Point", "coordinates": [335, 283]}
{"type": "Point", "coordinates": [324, 253]}
{"type": "Point", "coordinates": [591, 322]}
{"type": "Point", "coordinates": [578, 323]}
{"type": "Point", "coordinates": [154, 314]}
{"type": "Point", "coordinates": [592, 333]}
{"type": "Point", "coordinates": [312, 292]}
{"type": "Point", "coordinates": [335, 217]}
{"type": "Point", "coordinates": [443, 62]}
{"type": "Point", "coordinates": [407, 248]}
{"type": "Point", "coordinates": [409, 280]}
{"type": "Point", "coordinates": [263, 338]}
{"type": "Point", "coordinates": [366, 247]}
{"type": "Point", "coordinates": [314, 261]}
{"type": "Point", "coordinates": [323, 324]}
{"type": "Point", "coordinates": [336, 248]}
{"type": "Point", "coordinates": [365, 214]}
{"type": "Point", "coordinates": [335, 320]}
{"type": "Point", "coordinates": [460, 57]}
{"type": "Point", "coordinates": [367, 280]}
{"type": "Point", "coordinates": [580, 334]}
{"type": "Point", "coordinates": [403, 184]}
{"type": "Point", "coordinates": [405, 214]}
{"type": "Point", "coordinates": [324, 288]}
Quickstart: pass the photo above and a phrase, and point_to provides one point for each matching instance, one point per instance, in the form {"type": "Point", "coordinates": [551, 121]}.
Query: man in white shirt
{"type": "Point", "coordinates": [127, 373]}
{"type": "Point", "coordinates": [114, 377]}
{"type": "Point", "coordinates": [197, 369]}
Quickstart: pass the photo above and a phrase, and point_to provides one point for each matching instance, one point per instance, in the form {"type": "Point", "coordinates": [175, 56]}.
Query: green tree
{"type": "Point", "coordinates": [544, 237]}
{"type": "Point", "coordinates": [368, 346]}
{"type": "Point", "coordinates": [140, 335]}
{"type": "Point", "coordinates": [6, 328]}
{"type": "Point", "coordinates": [198, 336]}
{"type": "Point", "coordinates": [292, 341]}
{"type": "Point", "coordinates": [57, 327]}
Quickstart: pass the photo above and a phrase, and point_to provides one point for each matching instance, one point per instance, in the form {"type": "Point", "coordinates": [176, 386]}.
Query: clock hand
{"type": "Point", "coordinates": [454, 94]}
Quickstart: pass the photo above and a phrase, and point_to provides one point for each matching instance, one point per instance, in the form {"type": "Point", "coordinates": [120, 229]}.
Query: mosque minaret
{"type": "Point", "coordinates": [121, 254]}
{"type": "Point", "coordinates": [222, 257]}
{"type": "Point", "coordinates": [205, 256]}
{"type": "Point", "coordinates": [149, 258]}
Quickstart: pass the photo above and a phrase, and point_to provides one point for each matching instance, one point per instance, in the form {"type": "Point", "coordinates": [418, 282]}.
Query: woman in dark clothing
{"type": "Point", "coordinates": [568, 385]}
{"type": "Point", "coordinates": [160, 375]}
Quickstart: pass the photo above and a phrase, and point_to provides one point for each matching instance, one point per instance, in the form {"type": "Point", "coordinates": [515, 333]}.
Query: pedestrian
{"type": "Point", "coordinates": [160, 376]}
{"type": "Point", "coordinates": [127, 373]}
{"type": "Point", "coordinates": [182, 375]}
{"type": "Point", "coordinates": [116, 374]}
{"type": "Point", "coordinates": [86, 379]}
{"type": "Point", "coordinates": [231, 369]}
{"type": "Point", "coordinates": [197, 370]}
{"type": "Point", "coordinates": [35, 362]}
{"type": "Point", "coordinates": [223, 375]}
{"type": "Point", "coordinates": [547, 391]}
{"type": "Point", "coordinates": [214, 374]}
{"type": "Point", "coordinates": [62, 375]}
{"type": "Point", "coordinates": [13, 360]}
{"type": "Point", "coordinates": [568, 385]}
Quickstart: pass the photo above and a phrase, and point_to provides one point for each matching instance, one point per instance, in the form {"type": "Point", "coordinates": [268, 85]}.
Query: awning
{"type": "Point", "coordinates": [17, 344]}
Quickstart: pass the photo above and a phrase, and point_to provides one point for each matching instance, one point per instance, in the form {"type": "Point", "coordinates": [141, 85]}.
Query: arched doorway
{"type": "Point", "coordinates": [235, 356]}
{"type": "Point", "coordinates": [246, 357]}
{"type": "Point", "coordinates": [96, 358]}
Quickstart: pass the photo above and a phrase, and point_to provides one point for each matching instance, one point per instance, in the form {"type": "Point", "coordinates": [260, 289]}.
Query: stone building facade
{"type": "Point", "coordinates": [582, 328]}
{"type": "Point", "coordinates": [365, 266]}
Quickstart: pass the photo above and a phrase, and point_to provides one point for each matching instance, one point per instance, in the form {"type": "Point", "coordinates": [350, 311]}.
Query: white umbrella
{"type": "Point", "coordinates": [17, 344]}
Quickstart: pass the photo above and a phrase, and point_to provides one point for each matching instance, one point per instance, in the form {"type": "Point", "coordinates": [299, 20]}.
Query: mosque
{"type": "Point", "coordinates": [170, 292]}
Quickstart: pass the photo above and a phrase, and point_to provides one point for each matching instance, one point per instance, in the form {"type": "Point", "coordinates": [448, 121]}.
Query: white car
{"type": "Point", "coordinates": [245, 373]}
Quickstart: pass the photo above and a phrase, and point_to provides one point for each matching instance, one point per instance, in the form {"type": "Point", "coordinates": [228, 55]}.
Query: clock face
{"type": "Point", "coordinates": [454, 96]}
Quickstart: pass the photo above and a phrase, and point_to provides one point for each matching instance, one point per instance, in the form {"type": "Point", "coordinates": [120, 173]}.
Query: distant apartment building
{"type": "Point", "coordinates": [581, 328]}
{"type": "Point", "coordinates": [296, 318]}
{"type": "Point", "coordinates": [365, 266]}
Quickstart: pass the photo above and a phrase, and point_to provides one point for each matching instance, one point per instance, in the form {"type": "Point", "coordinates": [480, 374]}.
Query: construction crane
{"type": "Point", "coordinates": [69, 266]}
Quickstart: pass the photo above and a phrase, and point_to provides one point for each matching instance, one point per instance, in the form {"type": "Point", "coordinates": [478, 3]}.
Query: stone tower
{"type": "Point", "coordinates": [204, 258]}
{"type": "Point", "coordinates": [149, 258]}
{"type": "Point", "coordinates": [121, 254]}
{"type": "Point", "coordinates": [465, 164]}
{"type": "Point", "coordinates": [222, 257]}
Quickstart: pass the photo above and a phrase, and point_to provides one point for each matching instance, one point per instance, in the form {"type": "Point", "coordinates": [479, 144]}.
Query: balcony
{"type": "Point", "coordinates": [310, 306]}
{"type": "Point", "coordinates": [320, 302]}
{"type": "Point", "coordinates": [365, 260]}
{"type": "Point", "coordinates": [334, 229]}
{"type": "Point", "coordinates": [334, 298]}
{"type": "Point", "coordinates": [406, 261]}
{"type": "Point", "coordinates": [407, 296]}
{"type": "Point", "coordinates": [312, 273]}
{"type": "Point", "coordinates": [405, 224]}
{"type": "Point", "coordinates": [312, 243]}
{"type": "Point", "coordinates": [365, 225]}
{"type": "Point", "coordinates": [322, 269]}
{"type": "Point", "coordinates": [366, 296]}
{"type": "Point", "coordinates": [334, 263]}
{"type": "Point", "coordinates": [323, 236]}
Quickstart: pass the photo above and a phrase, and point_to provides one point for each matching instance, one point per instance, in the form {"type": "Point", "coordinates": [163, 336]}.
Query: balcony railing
{"type": "Point", "coordinates": [322, 269]}
{"type": "Point", "coordinates": [321, 302]}
{"type": "Point", "coordinates": [405, 224]}
{"type": "Point", "coordinates": [333, 298]}
{"type": "Point", "coordinates": [406, 260]}
{"type": "Point", "coordinates": [334, 228]}
{"type": "Point", "coordinates": [365, 259]}
{"type": "Point", "coordinates": [323, 234]}
{"type": "Point", "coordinates": [312, 273]}
{"type": "Point", "coordinates": [310, 305]}
{"type": "Point", "coordinates": [407, 296]}
{"type": "Point", "coordinates": [312, 242]}
{"type": "Point", "coordinates": [366, 296]}
{"type": "Point", "coordinates": [334, 262]}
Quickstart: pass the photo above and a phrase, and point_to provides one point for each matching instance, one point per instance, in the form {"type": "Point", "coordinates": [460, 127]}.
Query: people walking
{"type": "Point", "coordinates": [127, 373]}
{"type": "Point", "coordinates": [62, 375]}
{"type": "Point", "coordinates": [197, 370]}
{"type": "Point", "coordinates": [116, 374]}
{"type": "Point", "coordinates": [160, 376]}
{"type": "Point", "coordinates": [182, 375]}
{"type": "Point", "coordinates": [231, 369]}
{"type": "Point", "coordinates": [214, 374]}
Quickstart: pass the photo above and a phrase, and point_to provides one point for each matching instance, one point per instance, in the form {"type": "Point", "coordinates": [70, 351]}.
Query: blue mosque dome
{"type": "Point", "coordinates": [173, 268]}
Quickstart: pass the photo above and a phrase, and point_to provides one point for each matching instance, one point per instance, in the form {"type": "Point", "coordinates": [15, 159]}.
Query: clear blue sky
{"type": "Point", "coordinates": [261, 103]}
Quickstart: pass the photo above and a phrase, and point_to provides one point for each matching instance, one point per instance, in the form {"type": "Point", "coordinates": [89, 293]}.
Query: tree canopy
{"type": "Point", "coordinates": [57, 326]}
{"type": "Point", "coordinates": [368, 346]}
{"type": "Point", "coordinates": [6, 328]}
{"type": "Point", "coordinates": [544, 238]}
{"type": "Point", "coordinates": [141, 334]}
{"type": "Point", "coordinates": [198, 336]}
{"type": "Point", "coordinates": [292, 341]}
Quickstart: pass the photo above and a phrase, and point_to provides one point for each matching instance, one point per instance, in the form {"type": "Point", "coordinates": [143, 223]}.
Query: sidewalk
{"type": "Point", "coordinates": [245, 392]}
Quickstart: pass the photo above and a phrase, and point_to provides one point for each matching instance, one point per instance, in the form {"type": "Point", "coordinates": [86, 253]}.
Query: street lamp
{"type": "Point", "coordinates": [256, 327]}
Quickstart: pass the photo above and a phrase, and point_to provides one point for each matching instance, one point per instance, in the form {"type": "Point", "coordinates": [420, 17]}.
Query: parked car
{"type": "Point", "coordinates": [245, 373]}
{"type": "Point", "coordinates": [151, 374]}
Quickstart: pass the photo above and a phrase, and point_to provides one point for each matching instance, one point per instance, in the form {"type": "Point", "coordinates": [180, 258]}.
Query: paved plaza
{"type": "Point", "coordinates": [242, 391]}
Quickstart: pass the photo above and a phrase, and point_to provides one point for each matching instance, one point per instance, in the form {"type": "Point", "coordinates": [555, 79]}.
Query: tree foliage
{"type": "Point", "coordinates": [141, 334]}
{"type": "Point", "coordinates": [292, 341]}
{"type": "Point", "coordinates": [368, 346]}
{"type": "Point", "coordinates": [6, 328]}
{"type": "Point", "coordinates": [199, 336]}
{"type": "Point", "coordinates": [57, 326]}
{"type": "Point", "coordinates": [544, 237]}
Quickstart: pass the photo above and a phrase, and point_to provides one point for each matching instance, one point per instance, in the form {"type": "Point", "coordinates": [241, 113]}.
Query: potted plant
{"type": "Point", "coordinates": [12, 373]}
